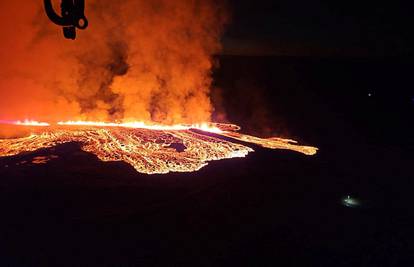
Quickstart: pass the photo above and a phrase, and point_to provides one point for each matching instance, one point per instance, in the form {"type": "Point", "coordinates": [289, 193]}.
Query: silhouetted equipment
{"type": "Point", "coordinates": [72, 16]}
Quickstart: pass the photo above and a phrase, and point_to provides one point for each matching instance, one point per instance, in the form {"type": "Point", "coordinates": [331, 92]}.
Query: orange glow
{"type": "Point", "coordinates": [32, 123]}
{"type": "Point", "coordinates": [140, 60]}
{"type": "Point", "coordinates": [26, 123]}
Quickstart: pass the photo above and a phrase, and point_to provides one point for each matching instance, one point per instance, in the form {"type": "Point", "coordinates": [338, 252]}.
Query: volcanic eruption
{"type": "Point", "coordinates": [133, 88]}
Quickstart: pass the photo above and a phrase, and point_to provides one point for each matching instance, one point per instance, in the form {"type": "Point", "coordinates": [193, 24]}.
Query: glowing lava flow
{"type": "Point", "coordinates": [149, 149]}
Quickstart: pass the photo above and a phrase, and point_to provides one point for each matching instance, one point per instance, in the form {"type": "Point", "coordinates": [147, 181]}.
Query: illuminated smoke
{"type": "Point", "coordinates": [138, 61]}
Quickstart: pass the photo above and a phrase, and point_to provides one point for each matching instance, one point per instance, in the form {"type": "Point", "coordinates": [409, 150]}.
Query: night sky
{"type": "Point", "coordinates": [316, 28]}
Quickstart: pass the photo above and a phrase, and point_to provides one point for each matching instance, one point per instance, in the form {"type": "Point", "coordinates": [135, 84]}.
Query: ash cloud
{"type": "Point", "coordinates": [138, 60]}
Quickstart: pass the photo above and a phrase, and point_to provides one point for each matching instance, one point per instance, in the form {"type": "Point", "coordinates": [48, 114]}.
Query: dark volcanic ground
{"type": "Point", "coordinates": [273, 208]}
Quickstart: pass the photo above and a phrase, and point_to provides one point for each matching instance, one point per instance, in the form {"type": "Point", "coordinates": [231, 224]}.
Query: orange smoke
{"type": "Point", "coordinates": [138, 61]}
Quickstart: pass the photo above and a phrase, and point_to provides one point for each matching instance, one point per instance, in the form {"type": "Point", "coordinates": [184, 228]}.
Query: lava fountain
{"type": "Point", "coordinates": [150, 149]}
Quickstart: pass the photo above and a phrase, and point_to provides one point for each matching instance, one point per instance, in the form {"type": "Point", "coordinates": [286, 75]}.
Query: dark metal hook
{"type": "Point", "coordinates": [72, 16]}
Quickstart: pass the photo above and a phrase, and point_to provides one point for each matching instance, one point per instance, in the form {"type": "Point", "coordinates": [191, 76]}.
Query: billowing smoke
{"type": "Point", "coordinates": [138, 60]}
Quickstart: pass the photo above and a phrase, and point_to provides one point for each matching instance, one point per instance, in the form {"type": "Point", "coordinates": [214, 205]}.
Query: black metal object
{"type": "Point", "coordinates": [72, 16]}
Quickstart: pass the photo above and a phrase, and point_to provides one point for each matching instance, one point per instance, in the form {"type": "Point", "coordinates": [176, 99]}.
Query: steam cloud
{"type": "Point", "coordinates": [138, 60]}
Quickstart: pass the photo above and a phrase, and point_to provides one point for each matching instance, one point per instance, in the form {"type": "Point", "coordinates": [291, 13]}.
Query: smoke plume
{"type": "Point", "coordinates": [138, 60]}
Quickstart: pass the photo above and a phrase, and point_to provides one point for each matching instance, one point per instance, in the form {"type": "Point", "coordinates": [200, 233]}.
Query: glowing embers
{"type": "Point", "coordinates": [149, 149]}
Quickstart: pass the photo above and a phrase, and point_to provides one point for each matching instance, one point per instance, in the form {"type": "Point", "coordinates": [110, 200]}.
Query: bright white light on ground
{"type": "Point", "coordinates": [351, 202]}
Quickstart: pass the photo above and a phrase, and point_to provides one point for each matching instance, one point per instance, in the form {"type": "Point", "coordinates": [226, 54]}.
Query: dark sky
{"type": "Point", "coordinates": [316, 28]}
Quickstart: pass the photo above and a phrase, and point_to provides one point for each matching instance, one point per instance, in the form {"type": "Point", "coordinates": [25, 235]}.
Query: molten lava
{"type": "Point", "coordinates": [149, 149]}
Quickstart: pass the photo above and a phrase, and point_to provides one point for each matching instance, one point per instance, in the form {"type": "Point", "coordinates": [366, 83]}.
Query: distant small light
{"type": "Point", "coordinates": [351, 202]}
{"type": "Point", "coordinates": [369, 94]}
